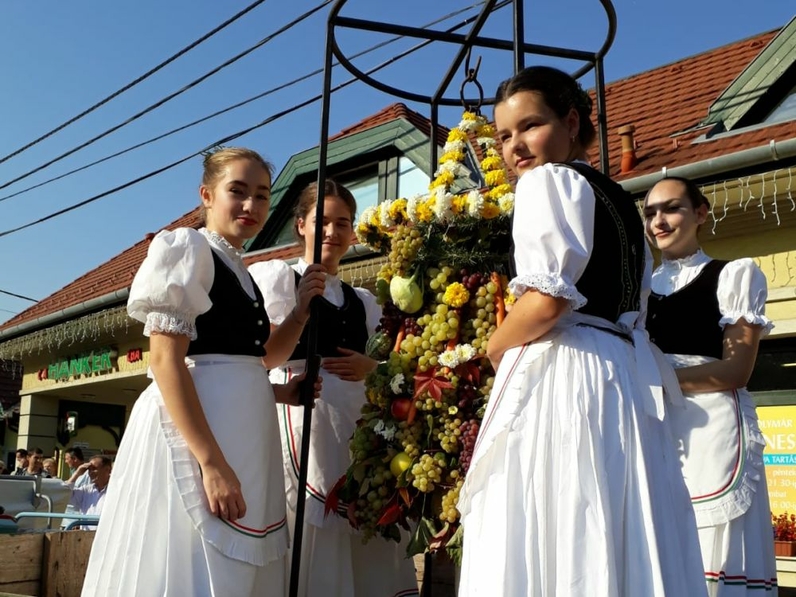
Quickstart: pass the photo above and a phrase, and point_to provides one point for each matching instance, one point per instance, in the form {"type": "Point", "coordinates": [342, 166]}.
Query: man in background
{"type": "Point", "coordinates": [89, 498]}
{"type": "Point", "coordinates": [73, 458]}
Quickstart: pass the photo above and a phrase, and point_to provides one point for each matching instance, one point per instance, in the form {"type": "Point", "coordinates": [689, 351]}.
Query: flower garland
{"type": "Point", "coordinates": [376, 225]}
{"type": "Point", "coordinates": [444, 292]}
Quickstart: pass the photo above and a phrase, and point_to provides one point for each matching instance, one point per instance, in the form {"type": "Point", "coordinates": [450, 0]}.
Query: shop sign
{"type": "Point", "coordinates": [98, 361]}
{"type": "Point", "coordinates": [778, 424]}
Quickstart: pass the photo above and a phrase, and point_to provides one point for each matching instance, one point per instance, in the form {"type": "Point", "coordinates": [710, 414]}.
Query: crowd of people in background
{"type": "Point", "coordinates": [87, 481]}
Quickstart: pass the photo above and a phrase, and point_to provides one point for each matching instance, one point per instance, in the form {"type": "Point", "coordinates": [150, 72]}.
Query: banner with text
{"type": "Point", "coordinates": [778, 424]}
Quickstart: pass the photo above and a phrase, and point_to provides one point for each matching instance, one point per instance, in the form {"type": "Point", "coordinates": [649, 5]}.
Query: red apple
{"type": "Point", "coordinates": [400, 407]}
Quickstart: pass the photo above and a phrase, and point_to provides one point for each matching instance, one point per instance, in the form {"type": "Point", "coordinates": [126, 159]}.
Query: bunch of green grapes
{"type": "Point", "coordinates": [448, 434]}
{"type": "Point", "coordinates": [403, 249]}
{"type": "Point", "coordinates": [426, 474]}
{"type": "Point", "coordinates": [449, 512]}
{"type": "Point", "coordinates": [363, 443]}
{"type": "Point", "coordinates": [374, 495]}
{"type": "Point", "coordinates": [410, 437]}
{"type": "Point", "coordinates": [377, 384]}
{"type": "Point", "coordinates": [483, 321]}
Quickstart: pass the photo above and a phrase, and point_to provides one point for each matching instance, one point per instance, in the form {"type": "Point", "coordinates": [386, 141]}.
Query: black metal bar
{"type": "Point", "coordinates": [432, 167]}
{"type": "Point", "coordinates": [602, 119]}
{"type": "Point", "coordinates": [459, 38]}
{"type": "Point", "coordinates": [313, 362]}
{"type": "Point", "coordinates": [519, 35]}
{"type": "Point", "coordinates": [463, 50]}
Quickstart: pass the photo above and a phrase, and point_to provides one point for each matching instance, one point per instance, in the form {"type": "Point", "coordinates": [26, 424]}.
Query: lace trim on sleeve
{"type": "Point", "coordinates": [170, 323]}
{"type": "Point", "coordinates": [750, 317]}
{"type": "Point", "coordinates": [549, 284]}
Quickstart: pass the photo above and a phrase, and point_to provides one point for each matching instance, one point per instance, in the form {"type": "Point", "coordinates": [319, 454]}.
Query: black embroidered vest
{"type": "Point", "coordinates": [343, 326]}
{"type": "Point", "coordinates": [612, 279]}
{"type": "Point", "coordinates": [613, 276]}
{"type": "Point", "coordinates": [687, 321]}
{"type": "Point", "coordinates": [235, 324]}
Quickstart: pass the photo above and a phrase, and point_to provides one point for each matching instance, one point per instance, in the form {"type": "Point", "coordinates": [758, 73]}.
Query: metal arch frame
{"type": "Point", "coordinates": [466, 41]}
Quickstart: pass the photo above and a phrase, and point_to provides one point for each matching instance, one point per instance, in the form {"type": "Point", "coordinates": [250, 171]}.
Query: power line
{"type": "Point", "coordinates": [20, 296]}
{"type": "Point", "coordinates": [135, 82]}
{"type": "Point", "coordinates": [232, 107]}
{"type": "Point", "coordinates": [234, 136]}
{"type": "Point", "coordinates": [168, 98]}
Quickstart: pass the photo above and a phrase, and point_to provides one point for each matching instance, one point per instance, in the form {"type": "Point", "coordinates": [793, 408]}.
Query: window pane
{"type": "Point", "coordinates": [364, 189]}
{"type": "Point", "coordinates": [411, 179]}
{"type": "Point", "coordinates": [785, 111]}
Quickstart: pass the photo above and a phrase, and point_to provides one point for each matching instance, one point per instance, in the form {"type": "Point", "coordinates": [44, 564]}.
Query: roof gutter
{"type": "Point", "coordinates": [774, 151]}
{"type": "Point", "coordinates": [115, 297]}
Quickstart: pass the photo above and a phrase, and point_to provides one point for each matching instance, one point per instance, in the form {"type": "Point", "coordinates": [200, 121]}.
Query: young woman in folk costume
{"type": "Point", "coordinates": [334, 561]}
{"type": "Point", "coordinates": [186, 513]}
{"type": "Point", "coordinates": [708, 316]}
{"type": "Point", "coordinates": [574, 487]}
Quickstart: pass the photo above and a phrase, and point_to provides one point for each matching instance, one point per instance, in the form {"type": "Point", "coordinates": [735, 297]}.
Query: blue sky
{"type": "Point", "coordinates": [59, 58]}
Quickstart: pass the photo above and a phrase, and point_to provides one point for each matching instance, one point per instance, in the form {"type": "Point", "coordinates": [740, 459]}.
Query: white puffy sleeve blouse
{"type": "Point", "coordinates": [171, 288]}
{"type": "Point", "coordinates": [553, 232]}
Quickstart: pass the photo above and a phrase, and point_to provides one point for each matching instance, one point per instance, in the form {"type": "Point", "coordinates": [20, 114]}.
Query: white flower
{"type": "Point", "coordinates": [379, 427]}
{"type": "Point", "coordinates": [506, 203]}
{"type": "Point", "coordinates": [442, 205]}
{"type": "Point", "coordinates": [448, 167]}
{"type": "Point", "coordinates": [465, 352]}
{"type": "Point", "coordinates": [475, 203]}
{"type": "Point", "coordinates": [396, 383]}
{"type": "Point", "coordinates": [486, 142]}
{"type": "Point", "coordinates": [368, 214]}
{"type": "Point", "coordinates": [389, 432]}
{"type": "Point", "coordinates": [468, 126]}
{"type": "Point", "coordinates": [453, 146]}
{"type": "Point", "coordinates": [449, 358]}
{"type": "Point", "coordinates": [411, 207]}
{"type": "Point", "coordinates": [384, 214]}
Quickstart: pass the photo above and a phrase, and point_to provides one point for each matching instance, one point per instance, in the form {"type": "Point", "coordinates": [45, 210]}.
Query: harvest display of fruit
{"type": "Point", "coordinates": [443, 292]}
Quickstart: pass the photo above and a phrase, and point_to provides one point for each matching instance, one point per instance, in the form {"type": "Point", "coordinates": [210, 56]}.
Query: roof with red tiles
{"type": "Point", "coordinates": [115, 274]}
{"type": "Point", "coordinates": [663, 104]}
{"type": "Point", "coordinates": [390, 113]}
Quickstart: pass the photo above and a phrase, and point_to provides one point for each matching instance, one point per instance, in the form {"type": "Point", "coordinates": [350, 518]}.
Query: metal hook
{"type": "Point", "coordinates": [471, 76]}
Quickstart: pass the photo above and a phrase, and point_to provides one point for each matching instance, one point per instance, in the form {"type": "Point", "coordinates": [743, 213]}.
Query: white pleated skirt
{"type": "Point", "coordinates": [574, 489]}
{"type": "Point", "coordinates": [334, 561]}
{"type": "Point", "coordinates": [156, 534]}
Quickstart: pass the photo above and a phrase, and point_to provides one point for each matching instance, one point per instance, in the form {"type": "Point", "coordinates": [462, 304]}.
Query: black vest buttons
{"type": "Point", "coordinates": [257, 343]}
{"type": "Point", "coordinates": [256, 305]}
{"type": "Point", "coordinates": [259, 322]}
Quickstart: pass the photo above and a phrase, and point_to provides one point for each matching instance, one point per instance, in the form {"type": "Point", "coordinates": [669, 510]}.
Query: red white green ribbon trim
{"type": "Point", "coordinates": [256, 533]}
{"type": "Point", "coordinates": [741, 580]}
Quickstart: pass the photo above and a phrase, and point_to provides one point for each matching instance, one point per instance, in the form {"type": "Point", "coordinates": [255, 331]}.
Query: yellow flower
{"type": "Point", "coordinates": [490, 211]}
{"type": "Point", "coordinates": [497, 192]}
{"type": "Point", "coordinates": [495, 178]}
{"type": "Point", "coordinates": [456, 295]}
{"type": "Point", "coordinates": [469, 116]}
{"type": "Point", "coordinates": [508, 297]}
{"type": "Point", "coordinates": [456, 135]}
{"type": "Point", "coordinates": [486, 130]}
{"type": "Point", "coordinates": [397, 211]}
{"type": "Point", "coordinates": [424, 212]}
{"type": "Point", "coordinates": [459, 204]}
{"type": "Point", "coordinates": [452, 156]}
{"type": "Point", "coordinates": [443, 179]}
{"type": "Point", "coordinates": [492, 162]}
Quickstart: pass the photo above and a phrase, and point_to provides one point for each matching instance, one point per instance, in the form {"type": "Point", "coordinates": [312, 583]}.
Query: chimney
{"type": "Point", "coordinates": [629, 159]}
